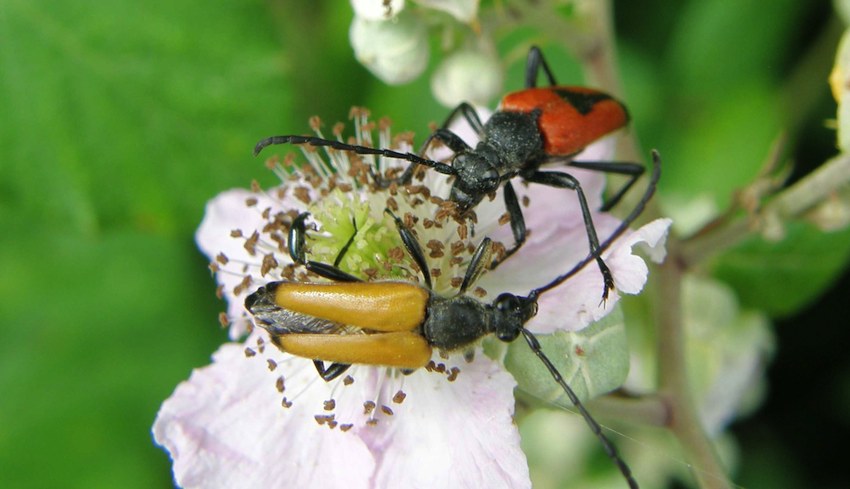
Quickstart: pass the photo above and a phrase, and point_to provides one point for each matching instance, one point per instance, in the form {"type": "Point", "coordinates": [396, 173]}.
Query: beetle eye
{"type": "Point", "coordinates": [506, 302]}
{"type": "Point", "coordinates": [490, 181]}
{"type": "Point", "coordinates": [463, 200]}
{"type": "Point", "coordinates": [507, 335]}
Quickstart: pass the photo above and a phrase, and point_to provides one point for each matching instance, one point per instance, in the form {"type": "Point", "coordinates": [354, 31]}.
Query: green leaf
{"type": "Point", "coordinates": [592, 361]}
{"type": "Point", "coordinates": [132, 114]}
{"type": "Point", "coordinates": [120, 120]}
{"type": "Point", "coordinates": [782, 277]}
{"type": "Point", "coordinates": [723, 104]}
{"type": "Point", "coordinates": [712, 40]}
{"type": "Point", "coordinates": [717, 148]}
{"type": "Point", "coordinates": [99, 333]}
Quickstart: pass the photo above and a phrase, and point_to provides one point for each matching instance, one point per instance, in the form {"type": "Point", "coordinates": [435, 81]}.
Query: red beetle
{"type": "Point", "coordinates": [533, 127]}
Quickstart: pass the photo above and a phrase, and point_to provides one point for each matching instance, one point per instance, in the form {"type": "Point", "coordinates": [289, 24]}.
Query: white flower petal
{"type": "Point", "coordinates": [225, 427]}
{"type": "Point", "coordinates": [454, 434]}
{"type": "Point", "coordinates": [225, 213]}
{"type": "Point", "coordinates": [631, 269]}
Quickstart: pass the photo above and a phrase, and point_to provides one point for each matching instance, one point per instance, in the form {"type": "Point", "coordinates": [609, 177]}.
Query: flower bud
{"type": "Point", "coordinates": [467, 76]}
{"type": "Point", "coordinates": [377, 9]}
{"type": "Point", "coordinates": [463, 10]}
{"type": "Point", "coordinates": [395, 51]}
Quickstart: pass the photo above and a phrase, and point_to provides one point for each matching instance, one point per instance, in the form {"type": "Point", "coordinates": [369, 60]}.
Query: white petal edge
{"type": "Point", "coordinates": [455, 434]}
{"type": "Point", "coordinates": [225, 428]}
{"type": "Point", "coordinates": [578, 301]}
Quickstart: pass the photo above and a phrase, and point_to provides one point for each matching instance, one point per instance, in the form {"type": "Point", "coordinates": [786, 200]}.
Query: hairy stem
{"type": "Point", "coordinates": [787, 204]}
{"type": "Point", "coordinates": [649, 410]}
{"type": "Point", "coordinates": [673, 377]}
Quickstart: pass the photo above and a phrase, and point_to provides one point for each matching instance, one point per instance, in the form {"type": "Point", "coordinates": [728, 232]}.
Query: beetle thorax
{"type": "Point", "coordinates": [515, 138]}
{"type": "Point", "coordinates": [456, 322]}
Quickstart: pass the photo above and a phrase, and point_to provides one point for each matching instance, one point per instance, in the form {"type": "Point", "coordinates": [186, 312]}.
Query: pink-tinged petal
{"type": "Point", "coordinates": [227, 212]}
{"type": "Point", "coordinates": [581, 294]}
{"type": "Point", "coordinates": [551, 213]}
{"type": "Point", "coordinates": [601, 150]}
{"type": "Point", "coordinates": [578, 301]}
{"type": "Point", "coordinates": [225, 428]}
{"type": "Point", "coordinates": [452, 434]}
{"type": "Point", "coordinates": [631, 270]}
{"type": "Point", "coordinates": [557, 242]}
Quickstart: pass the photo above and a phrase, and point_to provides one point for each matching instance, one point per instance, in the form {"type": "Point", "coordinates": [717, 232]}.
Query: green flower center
{"type": "Point", "coordinates": [354, 236]}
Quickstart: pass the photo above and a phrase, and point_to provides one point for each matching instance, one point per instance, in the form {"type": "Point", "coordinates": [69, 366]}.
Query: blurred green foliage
{"type": "Point", "coordinates": [119, 120]}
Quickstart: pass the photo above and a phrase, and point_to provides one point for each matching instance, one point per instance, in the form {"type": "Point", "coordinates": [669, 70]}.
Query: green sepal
{"type": "Point", "coordinates": [592, 361]}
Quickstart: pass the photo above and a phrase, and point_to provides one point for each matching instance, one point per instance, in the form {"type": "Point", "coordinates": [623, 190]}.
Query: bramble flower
{"type": "Point", "coordinates": [259, 417]}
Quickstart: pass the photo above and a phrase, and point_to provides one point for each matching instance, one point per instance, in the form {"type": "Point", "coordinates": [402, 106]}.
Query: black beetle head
{"type": "Point", "coordinates": [512, 312]}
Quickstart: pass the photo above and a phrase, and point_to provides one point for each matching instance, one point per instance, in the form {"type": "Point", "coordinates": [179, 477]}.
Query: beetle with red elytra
{"type": "Point", "coordinates": [532, 127]}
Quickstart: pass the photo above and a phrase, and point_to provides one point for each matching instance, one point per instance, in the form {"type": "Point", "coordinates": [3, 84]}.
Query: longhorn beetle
{"type": "Point", "coordinates": [401, 322]}
{"type": "Point", "coordinates": [533, 127]}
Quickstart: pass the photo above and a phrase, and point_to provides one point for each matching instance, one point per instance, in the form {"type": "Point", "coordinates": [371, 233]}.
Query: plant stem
{"type": "Point", "coordinates": [673, 384]}
{"type": "Point", "coordinates": [804, 85]}
{"type": "Point", "coordinates": [649, 410]}
{"type": "Point", "coordinates": [791, 203]}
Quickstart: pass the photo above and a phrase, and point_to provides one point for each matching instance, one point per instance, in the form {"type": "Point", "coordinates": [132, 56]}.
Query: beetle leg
{"type": "Point", "coordinates": [347, 245]}
{"type": "Point", "coordinates": [632, 170]}
{"type": "Point", "coordinates": [296, 238]}
{"type": "Point", "coordinates": [533, 64]}
{"type": "Point", "coordinates": [333, 371]}
{"type": "Point", "coordinates": [413, 248]}
{"type": "Point", "coordinates": [479, 261]}
{"type": "Point", "coordinates": [565, 180]}
{"type": "Point", "coordinates": [297, 233]}
{"type": "Point", "coordinates": [468, 113]}
{"type": "Point", "coordinates": [517, 224]}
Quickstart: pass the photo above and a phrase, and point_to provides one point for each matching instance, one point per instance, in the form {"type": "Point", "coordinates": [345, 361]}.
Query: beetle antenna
{"type": "Point", "coordinates": [622, 228]}
{"type": "Point", "coordinates": [609, 447]}
{"type": "Point", "coordinates": [361, 150]}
